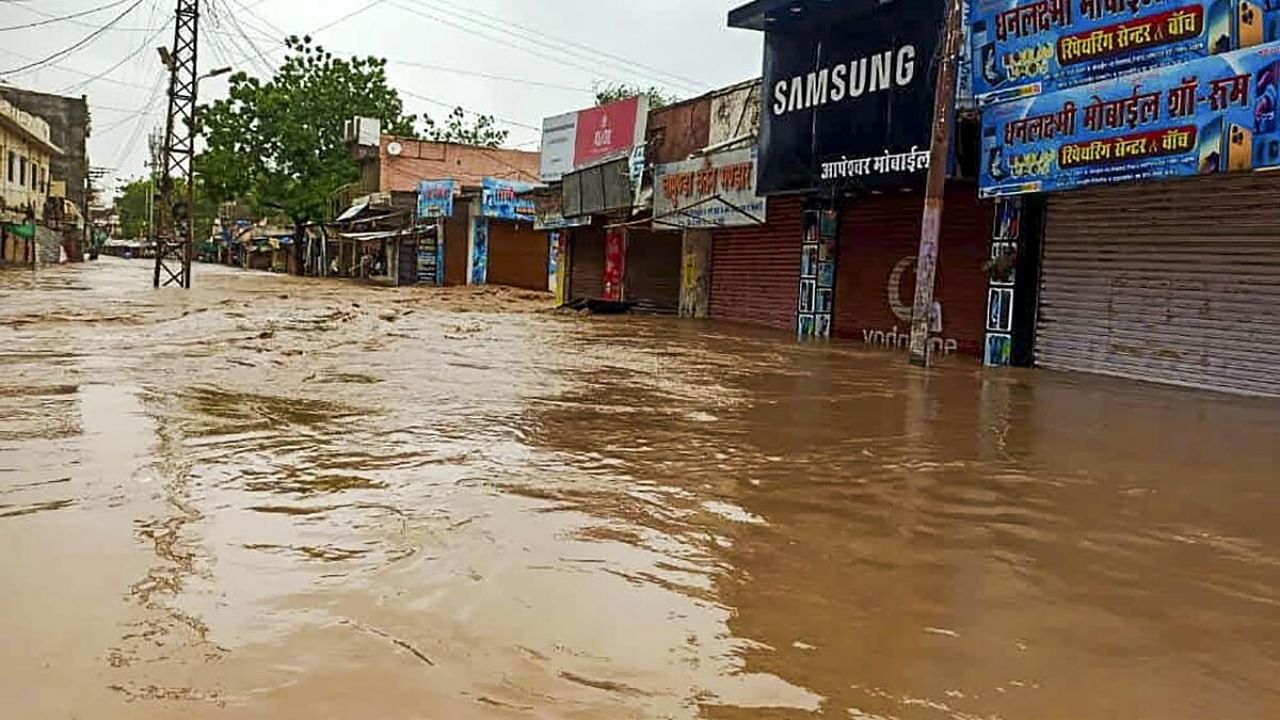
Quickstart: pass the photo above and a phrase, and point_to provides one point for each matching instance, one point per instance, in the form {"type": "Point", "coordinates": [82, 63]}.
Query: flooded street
{"type": "Point", "coordinates": [274, 497]}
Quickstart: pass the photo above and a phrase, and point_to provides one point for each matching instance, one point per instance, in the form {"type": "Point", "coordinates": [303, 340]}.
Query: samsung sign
{"type": "Point", "coordinates": [882, 71]}
{"type": "Point", "coordinates": [849, 105]}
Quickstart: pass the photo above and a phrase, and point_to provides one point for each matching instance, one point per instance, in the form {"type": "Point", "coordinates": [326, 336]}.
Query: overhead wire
{"type": "Point", "coordinates": [508, 27]}
{"type": "Point", "coordinates": [561, 58]}
{"type": "Point", "coordinates": [83, 42]}
{"type": "Point", "coordinates": [52, 19]}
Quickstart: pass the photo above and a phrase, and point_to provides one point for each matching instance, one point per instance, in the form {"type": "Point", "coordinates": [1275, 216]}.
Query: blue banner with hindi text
{"type": "Point", "coordinates": [1029, 47]}
{"type": "Point", "coordinates": [1212, 115]}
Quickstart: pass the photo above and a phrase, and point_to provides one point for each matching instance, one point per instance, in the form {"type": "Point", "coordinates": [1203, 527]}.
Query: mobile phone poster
{"type": "Point", "coordinates": [1028, 47]}
{"type": "Point", "coordinates": [1212, 115]}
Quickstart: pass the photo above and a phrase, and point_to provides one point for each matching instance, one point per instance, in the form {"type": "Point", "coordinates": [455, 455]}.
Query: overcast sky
{"type": "Point", "coordinates": [519, 60]}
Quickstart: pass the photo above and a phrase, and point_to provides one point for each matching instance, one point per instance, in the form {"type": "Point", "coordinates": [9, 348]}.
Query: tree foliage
{"type": "Point", "coordinates": [131, 206]}
{"type": "Point", "coordinates": [483, 132]}
{"type": "Point", "coordinates": [279, 144]}
{"type": "Point", "coordinates": [607, 92]}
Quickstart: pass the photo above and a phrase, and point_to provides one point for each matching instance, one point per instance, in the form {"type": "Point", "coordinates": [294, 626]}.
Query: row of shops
{"type": "Point", "coordinates": [1085, 227]}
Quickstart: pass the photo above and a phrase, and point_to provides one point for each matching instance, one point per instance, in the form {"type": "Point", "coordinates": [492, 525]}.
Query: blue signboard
{"type": "Point", "coordinates": [507, 200]}
{"type": "Point", "coordinates": [1212, 115]}
{"type": "Point", "coordinates": [1029, 47]}
{"type": "Point", "coordinates": [435, 198]}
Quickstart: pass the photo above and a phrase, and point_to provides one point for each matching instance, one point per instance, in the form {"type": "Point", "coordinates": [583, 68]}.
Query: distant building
{"type": "Point", "coordinates": [479, 246]}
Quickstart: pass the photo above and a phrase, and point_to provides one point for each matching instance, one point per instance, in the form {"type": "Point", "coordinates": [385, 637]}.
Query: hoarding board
{"type": "Point", "coordinates": [714, 191]}
{"type": "Point", "coordinates": [1029, 47]}
{"type": "Point", "coordinates": [435, 198]}
{"type": "Point", "coordinates": [850, 105]}
{"type": "Point", "coordinates": [1212, 115]}
{"type": "Point", "coordinates": [506, 199]}
{"type": "Point", "coordinates": [589, 137]}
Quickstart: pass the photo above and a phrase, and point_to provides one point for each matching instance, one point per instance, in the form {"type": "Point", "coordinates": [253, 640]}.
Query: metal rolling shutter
{"type": "Point", "coordinates": [755, 270]}
{"type": "Point", "coordinates": [586, 263]}
{"type": "Point", "coordinates": [456, 245]}
{"type": "Point", "coordinates": [653, 269]}
{"type": "Point", "coordinates": [881, 231]}
{"type": "Point", "coordinates": [517, 255]}
{"type": "Point", "coordinates": [1175, 282]}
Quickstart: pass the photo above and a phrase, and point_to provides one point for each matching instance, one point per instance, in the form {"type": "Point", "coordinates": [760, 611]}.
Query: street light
{"type": "Point", "coordinates": [214, 73]}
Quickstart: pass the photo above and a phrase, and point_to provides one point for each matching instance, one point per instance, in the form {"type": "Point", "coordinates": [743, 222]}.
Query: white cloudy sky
{"type": "Point", "coordinates": [519, 60]}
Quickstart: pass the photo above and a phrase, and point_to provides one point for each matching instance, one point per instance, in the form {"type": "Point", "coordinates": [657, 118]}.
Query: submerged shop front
{"type": "Point", "coordinates": [844, 149]}
{"type": "Point", "coordinates": [596, 157]}
{"type": "Point", "coordinates": [1160, 252]}
{"type": "Point", "coordinates": [488, 231]}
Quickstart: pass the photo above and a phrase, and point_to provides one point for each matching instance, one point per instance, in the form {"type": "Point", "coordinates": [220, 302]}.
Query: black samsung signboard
{"type": "Point", "coordinates": [850, 103]}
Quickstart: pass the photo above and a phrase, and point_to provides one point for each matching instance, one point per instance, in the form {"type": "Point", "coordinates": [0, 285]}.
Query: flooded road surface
{"type": "Point", "coordinates": [280, 498]}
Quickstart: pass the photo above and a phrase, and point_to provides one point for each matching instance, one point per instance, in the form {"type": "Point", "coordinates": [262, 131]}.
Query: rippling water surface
{"type": "Point", "coordinates": [280, 498]}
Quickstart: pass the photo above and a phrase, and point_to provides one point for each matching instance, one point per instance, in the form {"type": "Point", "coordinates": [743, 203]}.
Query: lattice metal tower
{"type": "Point", "coordinates": [175, 241]}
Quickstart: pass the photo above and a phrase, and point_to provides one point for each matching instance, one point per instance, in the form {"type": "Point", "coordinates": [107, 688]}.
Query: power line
{"type": "Point", "coordinates": [50, 19]}
{"type": "Point", "coordinates": [692, 83]}
{"type": "Point", "coordinates": [408, 93]}
{"type": "Point", "coordinates": [363, 8]}
{"type": "Point", "coordinates": [74, 46]}
{"type": "Point", "coordinates": [561, 58]}
{"type": "Point", "coordinates": [134, 53]}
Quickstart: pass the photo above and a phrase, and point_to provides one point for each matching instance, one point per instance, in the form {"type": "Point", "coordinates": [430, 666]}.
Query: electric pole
{"type": "Point", "coordinates": [175, 241]}
{"type": "Point", "coordinates": [935, 187]}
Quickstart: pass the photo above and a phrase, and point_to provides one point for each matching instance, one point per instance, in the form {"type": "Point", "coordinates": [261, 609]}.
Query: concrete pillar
{"type": "Point", "coordinates": [695, 275]}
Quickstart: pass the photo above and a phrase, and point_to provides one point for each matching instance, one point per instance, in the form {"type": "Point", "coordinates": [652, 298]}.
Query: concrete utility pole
{"type": "Point", "coordinates": [155, 142]}
{"type": "Point", "coordinates": [935, 187]}
{"type": "Point", "coordinates": [175, 243]}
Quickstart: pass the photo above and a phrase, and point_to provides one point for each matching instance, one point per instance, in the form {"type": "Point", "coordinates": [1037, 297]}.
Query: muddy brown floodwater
{"type": "Point", "coordinates": [279, 498]}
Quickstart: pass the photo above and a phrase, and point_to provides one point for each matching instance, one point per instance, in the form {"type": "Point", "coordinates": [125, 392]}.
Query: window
{"type": "Point", "coordinates": [35, 176]}
{"type": "Point", "coordinates": [13, 166]}
{"type": "Point", "coordinates": [22, 170]}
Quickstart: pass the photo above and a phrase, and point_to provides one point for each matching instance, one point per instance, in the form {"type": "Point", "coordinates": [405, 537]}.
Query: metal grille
{"type": "Point", "coordinates": [1175, 282]}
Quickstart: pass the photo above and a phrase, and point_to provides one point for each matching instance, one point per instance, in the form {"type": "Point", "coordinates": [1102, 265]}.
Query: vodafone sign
{"type": "Point", "coordinates": [588, 137]}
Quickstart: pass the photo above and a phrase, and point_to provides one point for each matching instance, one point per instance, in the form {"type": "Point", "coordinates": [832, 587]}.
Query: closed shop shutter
{"type": "Point", "coordinates": [586, 263]}
{"type": "Point", "coordinates": [456, 244]}
{"type": "Point", "coordinates": [875, 281]}
{"type": "Point", "coordinates": [518, 255]}
{"type": "Point", "coordinates": [755, 270]}
{"type": "Point", "coordinates": [1175, 282]}
{"type": "Point", "coordinates": [652, 270]}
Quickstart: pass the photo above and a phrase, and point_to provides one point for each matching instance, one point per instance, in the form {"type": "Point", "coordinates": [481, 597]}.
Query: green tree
{"type": "Point", "coordinates": [607, 92]}
{"type": "Point", "coordinates": [279, 144]}
{"type": "Point", "coordinates": [482, 132]}
{"type": "Point", "coordinates": [131, 206]}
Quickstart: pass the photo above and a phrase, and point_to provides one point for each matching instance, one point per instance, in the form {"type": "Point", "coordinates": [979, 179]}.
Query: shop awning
{"type": "Point", "coordinates": [353, 211]}
{"type": "Point", "coordinates": [23, 231]}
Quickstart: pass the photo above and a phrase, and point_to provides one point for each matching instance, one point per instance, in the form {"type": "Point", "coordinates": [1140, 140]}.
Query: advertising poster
{"type": "Point", "coordinates": [850, 105]}
{"type": "Point", "coordinates": [1212, 115]}
{"type": "Point", "coordinates": [506, 200]}
{"type": "Point", "coordinates": [1029, 47]}
{"type": "Point", "coordinates": [435, 198]}
{"type": "Point", "coordinates": [578, 140]}
{"type": "Point", "coordinates": [714, 191]}
{"type": "Point", "coordinates": [480, 252]}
